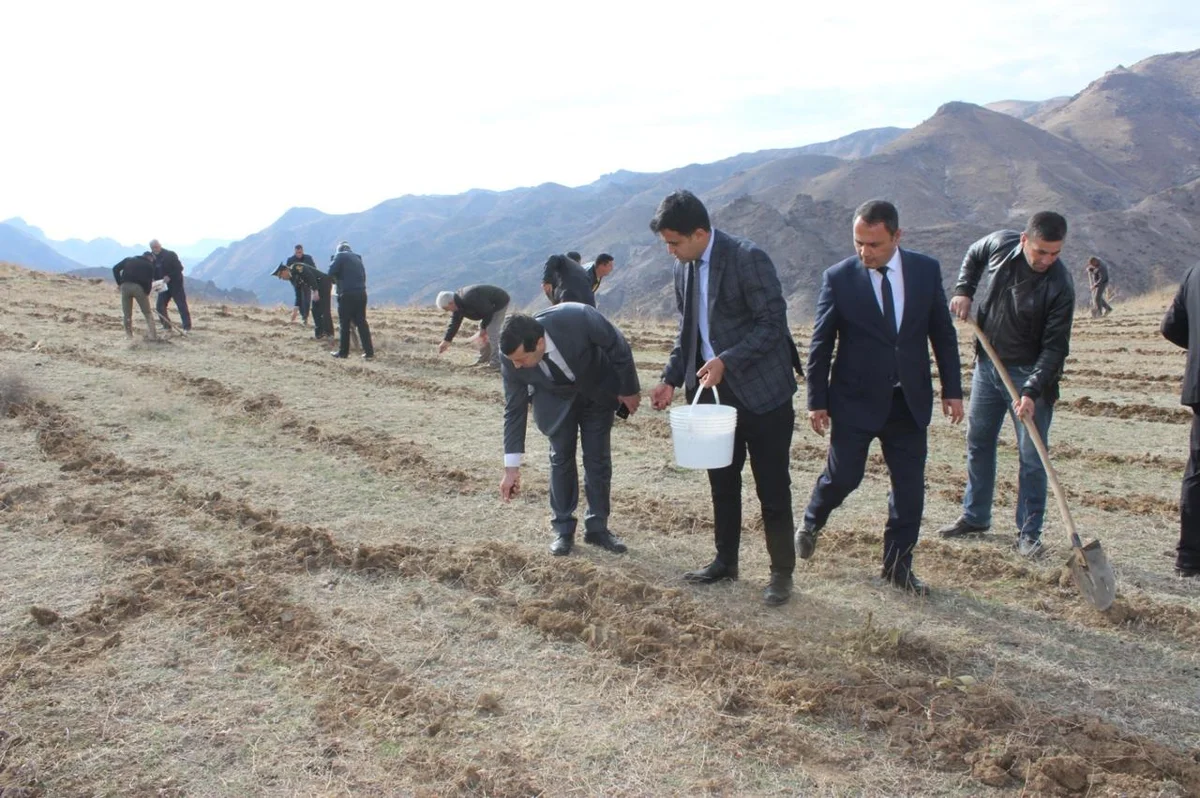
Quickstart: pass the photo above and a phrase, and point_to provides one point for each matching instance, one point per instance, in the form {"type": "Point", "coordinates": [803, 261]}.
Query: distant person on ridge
{"type": "Point", "coordinates": [134, 277]}
{"type": "Point", "coordinates": [486, 304]}
{"type": "Point", "coordinates": [598, 269]}
{"type": "Point", "coordinates": [169, 268]}
{"type": "Point", "coordinates": [1097, 272]}
{"type": "Point", "coordinates": [296, 264]}
{"type": "Point", "coordinates": [1025, 310]}
{"type": "Point", "coordinates": [348, 273]}
{"type": "Point", "coordinates": [1181, 326]}
{"type": "Point", "coordinates": [564, 280]}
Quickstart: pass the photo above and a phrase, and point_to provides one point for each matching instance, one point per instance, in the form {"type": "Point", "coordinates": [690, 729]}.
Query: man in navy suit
{"type": "Point", "coordinates": [881, 309]}
{"type": "Point", "coordinates": [733, 336]}
{"type": "Point", "coordinates": [577, 370]}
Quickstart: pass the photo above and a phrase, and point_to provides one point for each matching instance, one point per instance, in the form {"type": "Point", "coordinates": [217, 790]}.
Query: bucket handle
{"type": "Point", "coordinates": [696, 396]}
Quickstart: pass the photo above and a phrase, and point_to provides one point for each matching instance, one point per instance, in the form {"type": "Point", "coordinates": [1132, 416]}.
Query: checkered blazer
{"type": "Point", "coordinates": [747, 325]}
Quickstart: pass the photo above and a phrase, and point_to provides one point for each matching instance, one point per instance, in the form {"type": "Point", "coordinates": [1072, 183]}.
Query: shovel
{"type": "Point", "coordinates": [1089, 566]}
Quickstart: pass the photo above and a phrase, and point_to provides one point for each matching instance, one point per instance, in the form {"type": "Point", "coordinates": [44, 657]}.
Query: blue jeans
{"type": "Point", "coordinates": [990, 403]}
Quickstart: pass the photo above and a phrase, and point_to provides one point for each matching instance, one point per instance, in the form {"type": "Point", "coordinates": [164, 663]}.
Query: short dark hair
{"type": "Point", "coordinates": [1046, 225]}
{"type": "Point", "coordinates": [575, 256]}
{"type": "Point", "coordinates": [681, 211]}
{"type": "Point", "coordinates": [520, 330]}
{"type": "Point", "coordinates": [603, 258]}
{"type": "Point", "coordinates": [298, 246]}
{"type": "Point", "coordinates": [875, 211]}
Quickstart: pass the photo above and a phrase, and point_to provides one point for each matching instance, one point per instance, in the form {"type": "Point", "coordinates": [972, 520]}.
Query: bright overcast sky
{"type": "Point", "coordinates": [184, 121]}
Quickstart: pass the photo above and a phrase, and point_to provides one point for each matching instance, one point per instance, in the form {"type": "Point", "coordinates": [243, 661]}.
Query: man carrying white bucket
{"type": "Point", "coordinates": [577, 371]}
{"type": "Point", "coordinates": [733, 336]}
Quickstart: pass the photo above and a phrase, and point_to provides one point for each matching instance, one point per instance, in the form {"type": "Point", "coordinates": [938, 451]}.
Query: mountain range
{"type": "Point", "coordinates": [107, 251]}
{"type": "Point", "coordinates": [1121, 159]}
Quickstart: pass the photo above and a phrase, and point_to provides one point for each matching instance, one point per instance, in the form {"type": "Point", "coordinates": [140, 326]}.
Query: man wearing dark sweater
{"type": "Point", "coordinates": [485, 304]}
{"type": "Point", "coordinates": [135, 277]}
{"type": "Point", "coordinates": [168, 266]}
{"type": "Point", "coordinates": [348, 273]}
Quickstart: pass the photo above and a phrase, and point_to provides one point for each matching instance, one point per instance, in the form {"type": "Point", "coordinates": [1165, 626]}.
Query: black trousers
{"type": "Point", "coordinates": [322, 312]}
{"type": "Point", "coordinates": [767, 439]}
{"type": "Point", "coordinates": [1188, 551]}
{"type": "Point", "coordinates": [905, 445]}
{"type": "Point", "coordinates": [176, 293]}
{"type": "Point", "coordinates": [352, 309]}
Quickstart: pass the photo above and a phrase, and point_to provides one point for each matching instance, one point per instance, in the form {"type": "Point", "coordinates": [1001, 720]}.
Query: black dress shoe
{"type": "Point", "coordinates": [715, 571]}
{"type": "Point", "coordinates": [902, 578]}
{"type": "Point", "coordinates": [1188, 572]}
{"type": "Point", "coordinates": [562, 545]}
{"type": "Point", "coordinates": [605, 540]}
{"type": "Point", "coordinates": [961, 528]}
{"type": "Point", "coordinates": [338, 355]}
{"type": "Point", "coordinates": [778, 590]}
{"type": "Point", "coordinates": [806, 541]}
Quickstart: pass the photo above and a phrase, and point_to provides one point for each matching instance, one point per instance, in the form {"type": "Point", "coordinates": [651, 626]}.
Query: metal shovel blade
{"type": "Point", "coordinates": [1093, 575]}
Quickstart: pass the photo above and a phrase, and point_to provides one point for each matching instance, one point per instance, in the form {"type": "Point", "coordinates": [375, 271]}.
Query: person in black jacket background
{"type": "Point", "coordinates": [348, 273]}
{"type": "Point", "coordinates": [1026, 311]}
{"type": "Point", "coordinates": [135, 278]}
{"type": "Point", "coordinates": [485, 304]}
{"type": "Point", "coordinates": [564, 280]}
{"type": "Point", "coordinates": [296, 264]}
{"type": "Point", "coordinates": [168, 266]}
{"type": "Point", "coordinates": [1181, 326]}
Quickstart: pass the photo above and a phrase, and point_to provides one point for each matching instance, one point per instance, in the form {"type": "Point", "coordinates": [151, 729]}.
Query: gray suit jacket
{"type": "Point", "coordinates": [747, 326]}
{"type": "Point", "coordinates": [597, 354]}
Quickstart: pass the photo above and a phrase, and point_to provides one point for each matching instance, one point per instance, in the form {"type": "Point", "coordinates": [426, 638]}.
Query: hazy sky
{"type": "Point", "coordinates": [184, 121]}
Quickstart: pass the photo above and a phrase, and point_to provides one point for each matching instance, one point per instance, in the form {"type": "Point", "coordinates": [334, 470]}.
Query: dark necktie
{"type": "Point", "coordinates": [691, 326]}
{"type": "Point", "coordinates": [889, 303]}
{"type": "Point", "coordinates": [557, 375]}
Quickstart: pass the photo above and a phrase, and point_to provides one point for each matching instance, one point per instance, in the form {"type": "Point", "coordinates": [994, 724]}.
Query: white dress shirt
{"type": "Point", "coordinates": [896, 278]}
{"type": "Point", "coordinates": [706, 350]}
{"type": "Point", "coordinates": [513, 459]}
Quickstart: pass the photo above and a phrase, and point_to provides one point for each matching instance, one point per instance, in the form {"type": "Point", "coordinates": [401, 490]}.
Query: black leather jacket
{"type": "Point", "coordinates": [1051, 308]}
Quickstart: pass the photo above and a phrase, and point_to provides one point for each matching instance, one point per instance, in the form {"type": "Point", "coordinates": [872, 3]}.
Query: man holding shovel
{"type": "Point", "coordinates": [1026, 310]}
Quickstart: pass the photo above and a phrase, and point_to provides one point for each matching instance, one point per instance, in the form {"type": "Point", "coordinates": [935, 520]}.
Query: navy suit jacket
{"type": "Point", "coordinates": [857, 387]}
{"type": "Point", "coordinates": [596, 352]}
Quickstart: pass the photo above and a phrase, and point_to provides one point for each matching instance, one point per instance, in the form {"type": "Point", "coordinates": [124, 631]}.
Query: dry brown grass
{"type": "Point", "coordinates": [249, 569]}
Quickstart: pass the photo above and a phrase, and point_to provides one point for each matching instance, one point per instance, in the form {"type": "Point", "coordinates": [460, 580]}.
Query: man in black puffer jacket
{"type": "Point", "coordinates": [348, 273]}
{"type": "Point", "coordinates": [1026, 310]}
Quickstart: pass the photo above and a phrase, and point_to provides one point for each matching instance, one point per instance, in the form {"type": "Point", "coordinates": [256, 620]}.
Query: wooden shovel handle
{"type": "Point", "coordinates": [1038, 443]}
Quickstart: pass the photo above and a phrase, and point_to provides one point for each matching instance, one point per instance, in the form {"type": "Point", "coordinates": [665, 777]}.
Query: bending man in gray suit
{"type": "Point", "coordinates": [576, 369]}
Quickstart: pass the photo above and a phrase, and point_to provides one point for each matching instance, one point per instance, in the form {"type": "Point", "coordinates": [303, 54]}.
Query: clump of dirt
{"type": "Point", "coordinates": [15, 393]}
{"type": "Point", "coordinates": [43, 617]}
{"type": "Point", "coordinates": [1142, 412]}
{"type": "Point", "coordinates": [265, 403]}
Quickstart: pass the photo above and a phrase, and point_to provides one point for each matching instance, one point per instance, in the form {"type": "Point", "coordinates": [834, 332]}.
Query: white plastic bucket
{"type": "Point", "coordinates": [703, 434]}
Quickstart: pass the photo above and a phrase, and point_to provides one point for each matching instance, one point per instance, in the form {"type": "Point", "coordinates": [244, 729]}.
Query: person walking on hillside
{"type": "Point", "coordinates": [486, 304]}
{"type": "Point", "coordinates": [1026, 311]}
{"type": "Point", "coordinates": [733, 337]}
{"type": "Point", "coordinates": [135, 278]}
{"type": "Point", "coordinates": [576, 369]}
{"type": "Point", "coordinates": [1181, 326]}
{"type": "Point", "coordinates": [598, 269]}
{"type": "Point", "coordinates": [1097, 272]}
{"type": "Point", "coordinates": [297, 263]}
{"type": "Point", "coordinates": [348, 273]}
{"type": "Point", "coordinates": [168, 267]}
{"type": "Point", "coordinates": [880, 311]}
{"type": "Point", "coordinates": [564, 280]}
